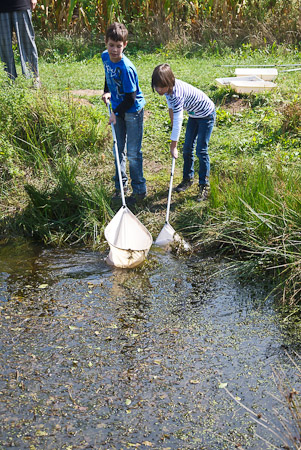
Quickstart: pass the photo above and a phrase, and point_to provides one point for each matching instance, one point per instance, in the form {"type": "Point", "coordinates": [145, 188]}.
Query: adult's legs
{"type": "Point", "coordinates": [134, 130]}
{"type": "Point", "coordinates": [6, 51]}
{"type": "Point", "coordinates": [26, 41]}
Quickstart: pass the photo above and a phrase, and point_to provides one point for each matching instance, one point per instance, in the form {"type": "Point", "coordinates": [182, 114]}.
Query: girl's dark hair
{"type": "Point", "coordinates": [163, 77]}
{"type": "Point", "coordinates": [117, 32]}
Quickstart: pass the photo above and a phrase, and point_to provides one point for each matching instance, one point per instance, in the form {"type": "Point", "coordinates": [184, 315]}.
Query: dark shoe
{"type": "Point", "coordinates": [117, 194]}
{"type": "Point", "coordinates": [135, 198]}
{"type": "Point", "coordinates": [185, 184]}
{"type": "Point", "coordinates": [203, 193]}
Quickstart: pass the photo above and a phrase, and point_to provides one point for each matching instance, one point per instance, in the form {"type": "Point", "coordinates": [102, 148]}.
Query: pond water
{"type": "Point", "coordinates": [166, 356]}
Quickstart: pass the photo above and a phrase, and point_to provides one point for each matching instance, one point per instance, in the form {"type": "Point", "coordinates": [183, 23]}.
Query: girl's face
{"type": "Point", "coordinates": [115, 49]}
{"type": "Point", "coordinates": [162, 90]}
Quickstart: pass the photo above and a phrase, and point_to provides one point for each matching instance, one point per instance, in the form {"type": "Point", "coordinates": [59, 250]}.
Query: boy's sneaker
{"type": "Point", "coordinates": [135, 198]}
{"type": "Point", "coordinates": [117, 194]}
{"type": "Point", "coordinates": [185, 184]}
{"type": "Point", "coordinates": [203, 193]}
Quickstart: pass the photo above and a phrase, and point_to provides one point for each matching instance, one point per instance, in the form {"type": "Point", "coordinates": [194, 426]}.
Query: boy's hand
{"type": "Point", "coordinates": [173, 149]}
{"type": "Point", "coordinates": [106, 97]}
{"type": "Point", "coordinates": [112, 118]}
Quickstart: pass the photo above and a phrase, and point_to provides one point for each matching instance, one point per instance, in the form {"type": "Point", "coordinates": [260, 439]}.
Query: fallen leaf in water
{"type": "Point", "coordinates": [222, 385]}
{"type": "Point", "coordinates": [41, 433]}
{"type": "Point", "coordinates": [43, 286]}
{"type": "Point", "coordinates": [81, 408]}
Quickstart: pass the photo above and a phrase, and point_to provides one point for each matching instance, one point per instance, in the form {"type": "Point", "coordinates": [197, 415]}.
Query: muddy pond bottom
{"type": "Point", "coordinates": [166, 356]}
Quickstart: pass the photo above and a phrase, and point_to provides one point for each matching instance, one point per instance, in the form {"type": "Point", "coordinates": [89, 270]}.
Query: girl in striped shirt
{"type": "Point", "coordinates": [182, 96]}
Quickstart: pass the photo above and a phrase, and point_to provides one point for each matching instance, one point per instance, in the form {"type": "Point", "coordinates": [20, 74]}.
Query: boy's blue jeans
{"type": "Point", "coordinates": [198, 132]}
{"type": "Point", "coordinates": [129, 131]}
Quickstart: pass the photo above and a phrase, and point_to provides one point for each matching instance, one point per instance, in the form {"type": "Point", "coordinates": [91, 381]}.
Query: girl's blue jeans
{"type": "Point", "coordinates": [197, 136]}
{"type": "Point", "coordinates": [129, 132]}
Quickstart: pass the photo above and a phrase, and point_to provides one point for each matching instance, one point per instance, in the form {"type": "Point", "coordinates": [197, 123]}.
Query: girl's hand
{"type": "Point", "coordinates": [174, 153]}
{"type": "Point", "coordinates": [173, 149]}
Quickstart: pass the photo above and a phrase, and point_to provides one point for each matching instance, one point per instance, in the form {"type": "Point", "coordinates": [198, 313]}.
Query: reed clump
{"type": "Point", "coordinates": [257, 214]}
{"type": "Point", "coordinates": [66, 212]}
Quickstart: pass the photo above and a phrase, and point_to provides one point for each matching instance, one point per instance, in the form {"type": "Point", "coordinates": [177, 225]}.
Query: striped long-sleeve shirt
{"type": "Point", "coordinates": [191, 99]}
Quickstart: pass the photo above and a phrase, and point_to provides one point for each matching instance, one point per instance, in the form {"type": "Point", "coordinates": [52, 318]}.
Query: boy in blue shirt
{"type": "Point", "coordinates": [122, 89]}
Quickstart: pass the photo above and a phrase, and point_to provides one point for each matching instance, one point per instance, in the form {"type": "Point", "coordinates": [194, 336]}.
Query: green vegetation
{"type": "Point", "coordinates": [56, 162]}
{"type": "Point", "coordinates": [219, 22]}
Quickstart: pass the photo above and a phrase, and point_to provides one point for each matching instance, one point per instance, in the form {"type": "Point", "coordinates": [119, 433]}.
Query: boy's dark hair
{"type": "Point", "coordinates": [163, 77]}
{"type": "Point", "coordinates": [117, 32]}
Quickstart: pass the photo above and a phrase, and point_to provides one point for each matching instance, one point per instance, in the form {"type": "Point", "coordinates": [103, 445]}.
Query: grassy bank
{"type": "Point", "coordinates": [56, 163]}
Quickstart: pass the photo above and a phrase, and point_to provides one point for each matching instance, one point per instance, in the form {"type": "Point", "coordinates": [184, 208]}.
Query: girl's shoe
{"type": "Point", "coordinates": [203, 193]}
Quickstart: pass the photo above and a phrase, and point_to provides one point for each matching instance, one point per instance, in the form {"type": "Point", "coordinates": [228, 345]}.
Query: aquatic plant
{"type": "Point", "coordinates": [285, 426]}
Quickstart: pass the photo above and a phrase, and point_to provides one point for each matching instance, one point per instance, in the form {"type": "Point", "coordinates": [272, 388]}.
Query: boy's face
{"type": "Point", "coordinates": [115, 49]}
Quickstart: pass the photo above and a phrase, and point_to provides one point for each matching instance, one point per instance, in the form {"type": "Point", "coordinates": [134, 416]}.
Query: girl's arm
{"type": "Point", "coordinates": [176, 123]}
{"type": "Point", "coordinates": [173, 144]}
{"type": "Point", "coordinates": [171, 115]}
{"type": "Point", "coordinates": [173, 149]}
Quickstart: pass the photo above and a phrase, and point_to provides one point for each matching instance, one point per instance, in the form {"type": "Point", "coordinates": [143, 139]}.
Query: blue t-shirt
{"type": "Point", "coordinates": [122, 79]}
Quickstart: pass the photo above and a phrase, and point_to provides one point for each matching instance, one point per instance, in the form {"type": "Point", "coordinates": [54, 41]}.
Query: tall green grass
{"type": "Point", "coordinates": [45, 126]}
{"type": "Point", "coordinates": [256, 212]}
{"type": "Point", "coordinates": [67, 211]}
{"type": "Point", "coordinates": [46, 140]}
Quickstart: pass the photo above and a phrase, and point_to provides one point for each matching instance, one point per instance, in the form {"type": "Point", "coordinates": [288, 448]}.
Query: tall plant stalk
{"type": "Point", "coordinates": [225, 17]}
